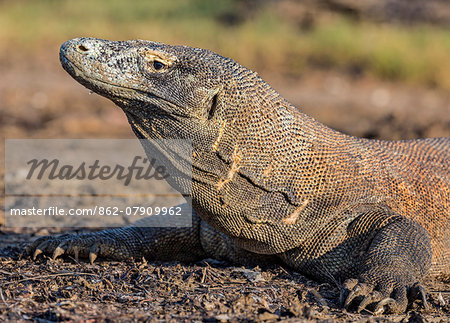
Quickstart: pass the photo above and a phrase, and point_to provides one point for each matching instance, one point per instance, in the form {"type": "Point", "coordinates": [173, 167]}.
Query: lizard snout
{"type": "Point", "coordinates": [79, 46]}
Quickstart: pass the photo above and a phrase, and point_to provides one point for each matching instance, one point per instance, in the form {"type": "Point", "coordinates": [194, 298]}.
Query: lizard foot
{"type": "Point", "coordinates": [387, 295]}
{"type": "Point", "coordinates": [90, 245]}
{"type": "Point", "coordinates": [397, 258]}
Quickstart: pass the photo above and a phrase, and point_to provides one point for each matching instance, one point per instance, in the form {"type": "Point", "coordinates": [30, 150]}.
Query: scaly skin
{"type": "Point", "coordinates": [268, 182]}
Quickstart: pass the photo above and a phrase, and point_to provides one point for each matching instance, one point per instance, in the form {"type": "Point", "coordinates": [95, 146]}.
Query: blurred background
{"type": "Point", "coordinates": [377, 69]}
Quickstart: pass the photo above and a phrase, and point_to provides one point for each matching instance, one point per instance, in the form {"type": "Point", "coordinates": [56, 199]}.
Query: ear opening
{"type": "Point", "coordinates": [213, 107]}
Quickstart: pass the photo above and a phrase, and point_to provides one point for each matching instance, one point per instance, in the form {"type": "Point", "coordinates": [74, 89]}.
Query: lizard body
{"type": "Point", "coordinates": [270, 183]}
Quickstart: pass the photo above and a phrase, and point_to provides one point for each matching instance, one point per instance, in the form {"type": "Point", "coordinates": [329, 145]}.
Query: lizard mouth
{"type": "Point", "coordinates": [99, 86]}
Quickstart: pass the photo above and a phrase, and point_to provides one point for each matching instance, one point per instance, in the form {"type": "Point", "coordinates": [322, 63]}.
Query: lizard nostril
{"type": "Point", "coordinates": [83, 48]}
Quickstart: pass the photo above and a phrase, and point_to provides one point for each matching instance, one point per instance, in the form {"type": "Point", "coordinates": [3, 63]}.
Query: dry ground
{"type": "Point", "coordinates": [38, 100]}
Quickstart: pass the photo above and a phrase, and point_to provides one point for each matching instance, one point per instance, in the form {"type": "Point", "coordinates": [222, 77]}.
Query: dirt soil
{"type": "Point", "coordinates": [38, 100]}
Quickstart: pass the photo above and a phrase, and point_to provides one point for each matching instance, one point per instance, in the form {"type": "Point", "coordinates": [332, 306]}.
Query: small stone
{"type": "Point", "coordinates": [222, 317]}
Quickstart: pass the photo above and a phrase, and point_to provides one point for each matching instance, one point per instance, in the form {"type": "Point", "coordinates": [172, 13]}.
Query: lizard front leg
{"type": "Point", "coordinates": [134, 241]}
{"type": "Point", "coordinates": [381, 257]}
{"type": "Point", "coordinates": [397, 258]}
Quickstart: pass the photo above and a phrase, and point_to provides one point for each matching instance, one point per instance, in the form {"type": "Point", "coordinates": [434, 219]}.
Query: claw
{"type": "Point", "coordinates": [92, 257]}
{"type": "Point", "coordinates": [76, 252]}
{"type": "Point", "coordinates": [58, 252]}
{"type": "Point", "coordinates": [353, 294]}
{"type": "Point", "coordinates": [389, 295]}
{"type": "Point", "coordinates": [346, 288]}
{"type": "Point", "coordinates": [366, 301]}
{"type": "Point", "coordinates": [371, 298]}
{"type": "Point", "coordinates": [93, 253]}
{"type": "Point", "coordinates": [423, 296]}
{"type": "Point", "coordinates": [380, 306]}
{"type": "Point", "coordinates": [36, 253]}
{"type": "Point", "coordinates": [92, 246]}
{"type": "Point", "coordinates": [360, 289]}
{"type": "Point", "coordinates": [417, 291]}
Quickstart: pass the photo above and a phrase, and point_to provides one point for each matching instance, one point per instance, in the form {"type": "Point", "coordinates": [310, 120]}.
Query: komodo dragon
{"type": "Point", "coordinates": [270, 183]}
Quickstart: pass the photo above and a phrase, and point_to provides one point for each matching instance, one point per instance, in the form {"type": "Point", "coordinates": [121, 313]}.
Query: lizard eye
{"type": "Point", "coordinates": [157, 65]}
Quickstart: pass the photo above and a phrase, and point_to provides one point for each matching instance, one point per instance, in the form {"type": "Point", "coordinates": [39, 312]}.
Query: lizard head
{"type": "Point", "coordinates": [167, 92]}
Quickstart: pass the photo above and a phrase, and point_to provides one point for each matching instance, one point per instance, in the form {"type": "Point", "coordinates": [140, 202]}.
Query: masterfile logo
{"type": "Point", "coordinates": [140, 168]}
